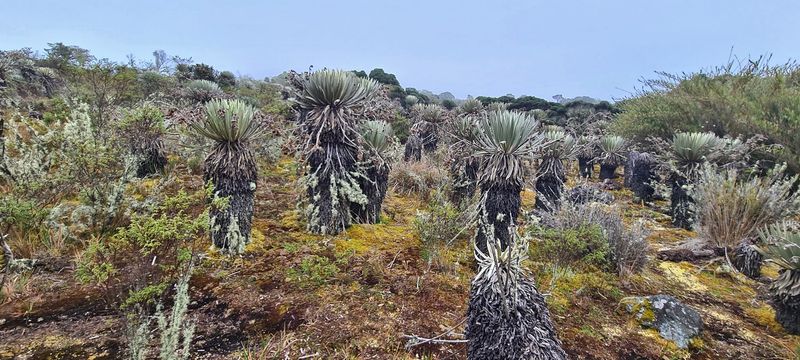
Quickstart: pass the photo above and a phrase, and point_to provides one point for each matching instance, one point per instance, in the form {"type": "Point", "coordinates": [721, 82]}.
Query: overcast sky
{"type": "Point", "coordinates": [541, 48]}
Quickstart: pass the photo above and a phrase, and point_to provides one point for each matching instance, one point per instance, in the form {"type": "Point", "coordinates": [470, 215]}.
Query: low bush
{"type": "Point", "coordinates": [627, 247]}
{"type": "Point", "coordinates": [146, 253]}
{"type": "Point", "coordinates": [731, 206]}
{"type": "Point", "coordinates": [418, 178]}
{"type": "Point", "coordinates": [584, 245]}
{"type": "Point", "coordinates": [314, 270]}
{"type": "Point", "coordinates": [440, 226]}
{"type": "Point", "coordinates": [742, 98]}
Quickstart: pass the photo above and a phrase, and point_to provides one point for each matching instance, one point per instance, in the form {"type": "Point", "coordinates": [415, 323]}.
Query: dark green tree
{"type": "Point", "coordinates": [383, 77]}
{"type": "Point", "coordinates": [203, 72]}
{"type": "Point", "coordinates": [226, 79]}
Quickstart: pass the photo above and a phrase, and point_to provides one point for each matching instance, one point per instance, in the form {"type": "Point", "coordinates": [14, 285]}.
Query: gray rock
{"type": "Point", "coordinates": [673, 320]}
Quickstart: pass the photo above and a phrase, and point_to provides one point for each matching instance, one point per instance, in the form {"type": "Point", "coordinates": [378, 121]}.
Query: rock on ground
{"type": "Point", "coordinates": [673, 320]}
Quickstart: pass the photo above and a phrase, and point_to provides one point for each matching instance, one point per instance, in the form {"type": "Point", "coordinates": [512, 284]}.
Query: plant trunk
{"type": "Point", "coordinates": [413, 149]}
{"type": "Point", "coordinates": [682, 203]}
{"type": "Point", "coordinates": [640, 174]}
{"type": "Point", "coordinates": [500, 208]}
{"type": "Point", "coordinates": [430, 138]}
{"type": "Point", "coordinates": [607, 171]}
{"type": "Point", "coordinates": [330, 189]}
{"type": "Point", "coordinates": [787, 307]}
{"type": "Point", "coordinates": [585, 167]}
{"type": "Point", "coordinates": [549, 188]}
{"type": "Point", "coordinates": [230, 227]}
{"type": "Point", "coordinates": [508, 327]}
{"type": "Point", "coordinates": [747, 260]}
{"type": "Point", "coordinates": [374, 186]}
{"type": "Point", "coordinates": [464, 173]}
{"type": "Point", "coordinates": [152, 162]}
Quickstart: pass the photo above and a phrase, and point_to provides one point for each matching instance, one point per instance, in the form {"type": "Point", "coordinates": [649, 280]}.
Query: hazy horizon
{"type": "Point", "coordinates": [519, 47]}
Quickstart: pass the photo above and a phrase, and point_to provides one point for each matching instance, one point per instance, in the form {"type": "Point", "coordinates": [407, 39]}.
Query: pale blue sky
{"type": "Point", "coordinates": [541, 48]}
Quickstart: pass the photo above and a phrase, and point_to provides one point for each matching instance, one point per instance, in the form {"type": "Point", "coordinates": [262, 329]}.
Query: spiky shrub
{"type": "Point", "coordinates": [374, 173]}
{"type": "Point", "coordinates": [463, 166]}
{"type": "Point", "coordinates": [411, 100]}
{"type": "Point", "coordinates": [586, 153]}
{"type": "Point", "coordinates": [612, 155]}
{"type": "Point", "coordinates": [503, 140]}
{"type": "Point", "coordinates": [688, 152]}
{"type": "Point", "coordinates": [202, 91]}
{"type": "Point", "coordinates": [471, 107]}
{"type": "Point", "coordinates": [498, 106]}
{"type": "Point", "coordinates": [231, 168]}
{"type": "Point", "coordinates": [559, 147]}
{"type": "Point", "coordinates": [692, 149]}
{"type": "Point", "coordinates": [731, 208]}
{"type": "Point", "coordinates": [329, 102]}
{"type": "Point", "coordinates": [507, 317]}
{"type": "Point", "coordinates": [429, 118]}
{"type": "Point", "coordinates": [539, 114]}
{"type": "Point", "coordinates": [143, 128]}
{"type": "Point", "coordinates": [782, 247]}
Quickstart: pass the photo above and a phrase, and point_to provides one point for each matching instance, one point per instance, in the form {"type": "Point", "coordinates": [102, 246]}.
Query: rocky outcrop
{"type": "Point", "coordinates": [673, 320]}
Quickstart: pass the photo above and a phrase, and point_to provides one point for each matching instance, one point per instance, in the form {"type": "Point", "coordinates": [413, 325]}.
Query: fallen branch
{"type": "Point", "coordinates": [414, 340]}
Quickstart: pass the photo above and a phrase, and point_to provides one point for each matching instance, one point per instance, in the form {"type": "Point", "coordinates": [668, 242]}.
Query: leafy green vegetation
{"type": "Point", "coordinates": [114, 175]}
{"type": "Point", "coordinates": [739, 99]}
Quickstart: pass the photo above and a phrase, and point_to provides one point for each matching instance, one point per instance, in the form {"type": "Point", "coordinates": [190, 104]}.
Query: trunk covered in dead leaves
{"type": "Point", "coordinates": [373, 183]}
{"type": "Point", "coordinates": [786, 300]}
{"type": "Point", "coordinates": [747, 260]}
{"type": "Point", "coordinates": [502, 327]}
{"type": "Point", "coordinates": [500, 208]}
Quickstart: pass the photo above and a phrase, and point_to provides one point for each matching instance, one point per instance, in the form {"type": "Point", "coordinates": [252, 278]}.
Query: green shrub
{"type": "Point", "coordinates": [145, 296]}
{"type": "Point", "coordinates": [401, 126]}
{"type": "Point", "coordinates": [745, 99]}
{"type": "Point", "coordinates": [58, 112]}
{"type": "Point", "coordinates": [314, 270]}
{"type": "Point", "coordinates": [146, 253]}
{"type": "Point", "coordinates": [627, 246]}
{"type": "Point", "coordinates": [584, 245]}
{"type": "Point", "coordinates": [439, 226]}
{"type": "Point", "coordinates": [175, 330]}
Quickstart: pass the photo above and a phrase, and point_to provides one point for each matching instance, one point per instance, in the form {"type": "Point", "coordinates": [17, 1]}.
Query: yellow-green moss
{"type": "Point", "coordinates": [528, 198]}
{"type": "Point", "coordinates": [764, 315]}
{"type": "Point", "coordinates": [696, 344]}
{"type": "Point", "coordinates": [290, 220]}
{"type": "Point", "coordinates": [257, 240]}
{"type": "Point", "coordinates": [670, 235]}
{"type": "Point", "coordinates": [770, 270]}
{"type": "Point", "coordinates": [669, 349]}
{"type": "Point", "coordinates": [682, 273]}
{"type": "Point", "coordinates": [570, 284]}
{"type": "Point", "coordinates": [363, 238]}
{"type": "Point", "coordinates": [401, 209]}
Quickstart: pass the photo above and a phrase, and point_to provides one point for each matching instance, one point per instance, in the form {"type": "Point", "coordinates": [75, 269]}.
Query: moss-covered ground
{"type": "Point", "coordinates": [356, 295]}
